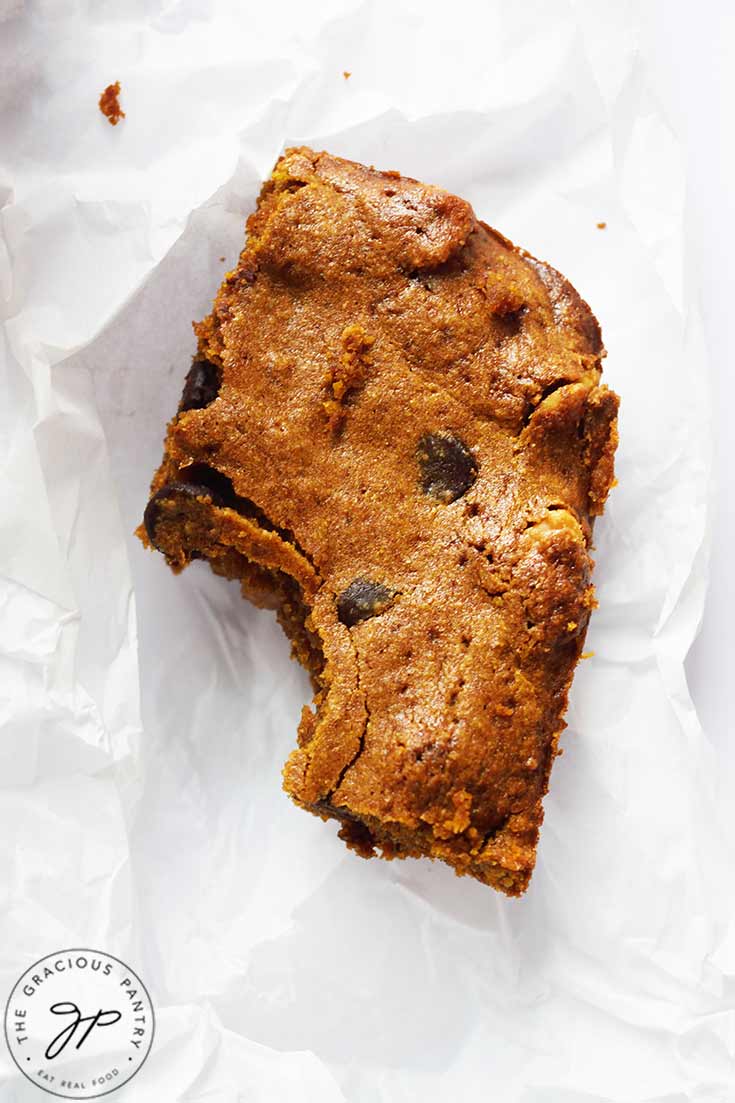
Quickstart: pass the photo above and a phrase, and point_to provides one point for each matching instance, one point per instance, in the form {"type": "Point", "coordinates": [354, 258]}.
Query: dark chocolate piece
{"type": "Point", "coordinates": [169, 493]}
{"type": "Point", "coordinates": [201, 386]}
{"type": "Point", "coordinates": [448, 468]}
{"type": "Point", "coordinates": [362, 599]}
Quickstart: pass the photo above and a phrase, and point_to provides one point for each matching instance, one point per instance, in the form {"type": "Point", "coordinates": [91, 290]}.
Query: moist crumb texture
{"type": "Point", "coordinates": [109, 104]}
{"type": "Point", "coordinates": [393, 433]}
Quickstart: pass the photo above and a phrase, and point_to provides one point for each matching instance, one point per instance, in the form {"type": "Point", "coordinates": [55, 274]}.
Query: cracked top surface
{"type": "Point", "coordinates": [414, 405]}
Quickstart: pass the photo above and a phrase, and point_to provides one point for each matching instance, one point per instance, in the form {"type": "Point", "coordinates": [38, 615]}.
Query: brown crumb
{"type": "Point", "coordinates": [222, 259]}
{"type": "Point", "coordinates": [602, 225]}
{"type": "Point", "coordinates": [346, 74]}
{"type": "Point", "coordinates": [348, 374]}
{"type": "Point", "coordinates": [503, 296]}
{"type": "Point", "coordinates": [110, 104]}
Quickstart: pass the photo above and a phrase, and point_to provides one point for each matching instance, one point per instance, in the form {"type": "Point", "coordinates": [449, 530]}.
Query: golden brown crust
{"type": "Point", "coordinates": [405, 447]}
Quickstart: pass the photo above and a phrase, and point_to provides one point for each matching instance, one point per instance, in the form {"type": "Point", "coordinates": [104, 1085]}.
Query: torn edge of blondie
{"type": "Point", "coordinates": [503, 860]}
{"type": "Point", "coordinates": [197, 515]}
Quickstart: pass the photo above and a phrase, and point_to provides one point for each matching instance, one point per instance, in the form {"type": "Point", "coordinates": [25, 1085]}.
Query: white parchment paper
{"type": "Point", "coordinates": [144, 718]}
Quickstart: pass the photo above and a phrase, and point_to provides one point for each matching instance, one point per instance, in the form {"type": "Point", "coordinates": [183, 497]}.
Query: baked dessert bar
{"type": "Point", "coordinates": [394, 434]}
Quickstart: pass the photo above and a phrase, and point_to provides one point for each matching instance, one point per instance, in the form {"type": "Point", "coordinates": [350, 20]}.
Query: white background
{"type": "Point", "coordinates": [690, 49]}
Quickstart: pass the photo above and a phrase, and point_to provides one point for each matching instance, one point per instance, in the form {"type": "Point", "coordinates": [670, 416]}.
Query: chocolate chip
{"type": "Point", "coordinates": [201, 386]}
{"type": "Point", "coordinates": [363, 599]}
{"type": "Point", "coordinates": [448, 468]}
{"type": "Point", "coordinates": [170, 493]}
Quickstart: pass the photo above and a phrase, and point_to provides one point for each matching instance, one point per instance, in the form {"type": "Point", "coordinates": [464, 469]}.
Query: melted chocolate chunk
{"type": "Point", "coordinates": [448, 468]}
{"type": "Point", "coordinates": [170, 493]}
{"type": "Point", "coordinates": [201, 386]}
{"type": "Point", "coordinates": [363, 599]}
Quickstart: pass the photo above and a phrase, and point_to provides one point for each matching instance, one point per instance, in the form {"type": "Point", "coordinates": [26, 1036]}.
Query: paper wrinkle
{"type": "Point", "coordinates": [145, 718]}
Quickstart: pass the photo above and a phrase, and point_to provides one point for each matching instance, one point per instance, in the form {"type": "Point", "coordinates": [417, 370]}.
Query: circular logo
{"type": "Point", "coordinates": [79, 1023]}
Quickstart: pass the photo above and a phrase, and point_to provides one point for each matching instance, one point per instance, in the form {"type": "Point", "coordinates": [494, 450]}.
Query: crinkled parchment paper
{"type": "Point", "coordinates": [145, 718]}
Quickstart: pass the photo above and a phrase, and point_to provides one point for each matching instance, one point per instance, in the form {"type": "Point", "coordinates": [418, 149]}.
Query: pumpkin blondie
{"type": "Point", "coordinates": [394, 434]}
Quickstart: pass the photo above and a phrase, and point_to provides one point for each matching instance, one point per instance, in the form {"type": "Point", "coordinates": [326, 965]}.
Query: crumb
{"type": "Point", "coordinates": [503, 296]}
{"type": "Point", "coordinates": [587, 655]}
{"type": "Point", "coordinates": [222, 259]}
{"type": "Point", "coordinates": [346, 74]}
{"type": "Point", "coordinates": [345, 377]}
{"type": "Point", "coordinates": [109, 104]}
{"type": "Point", "coordinates": [602, 225]}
